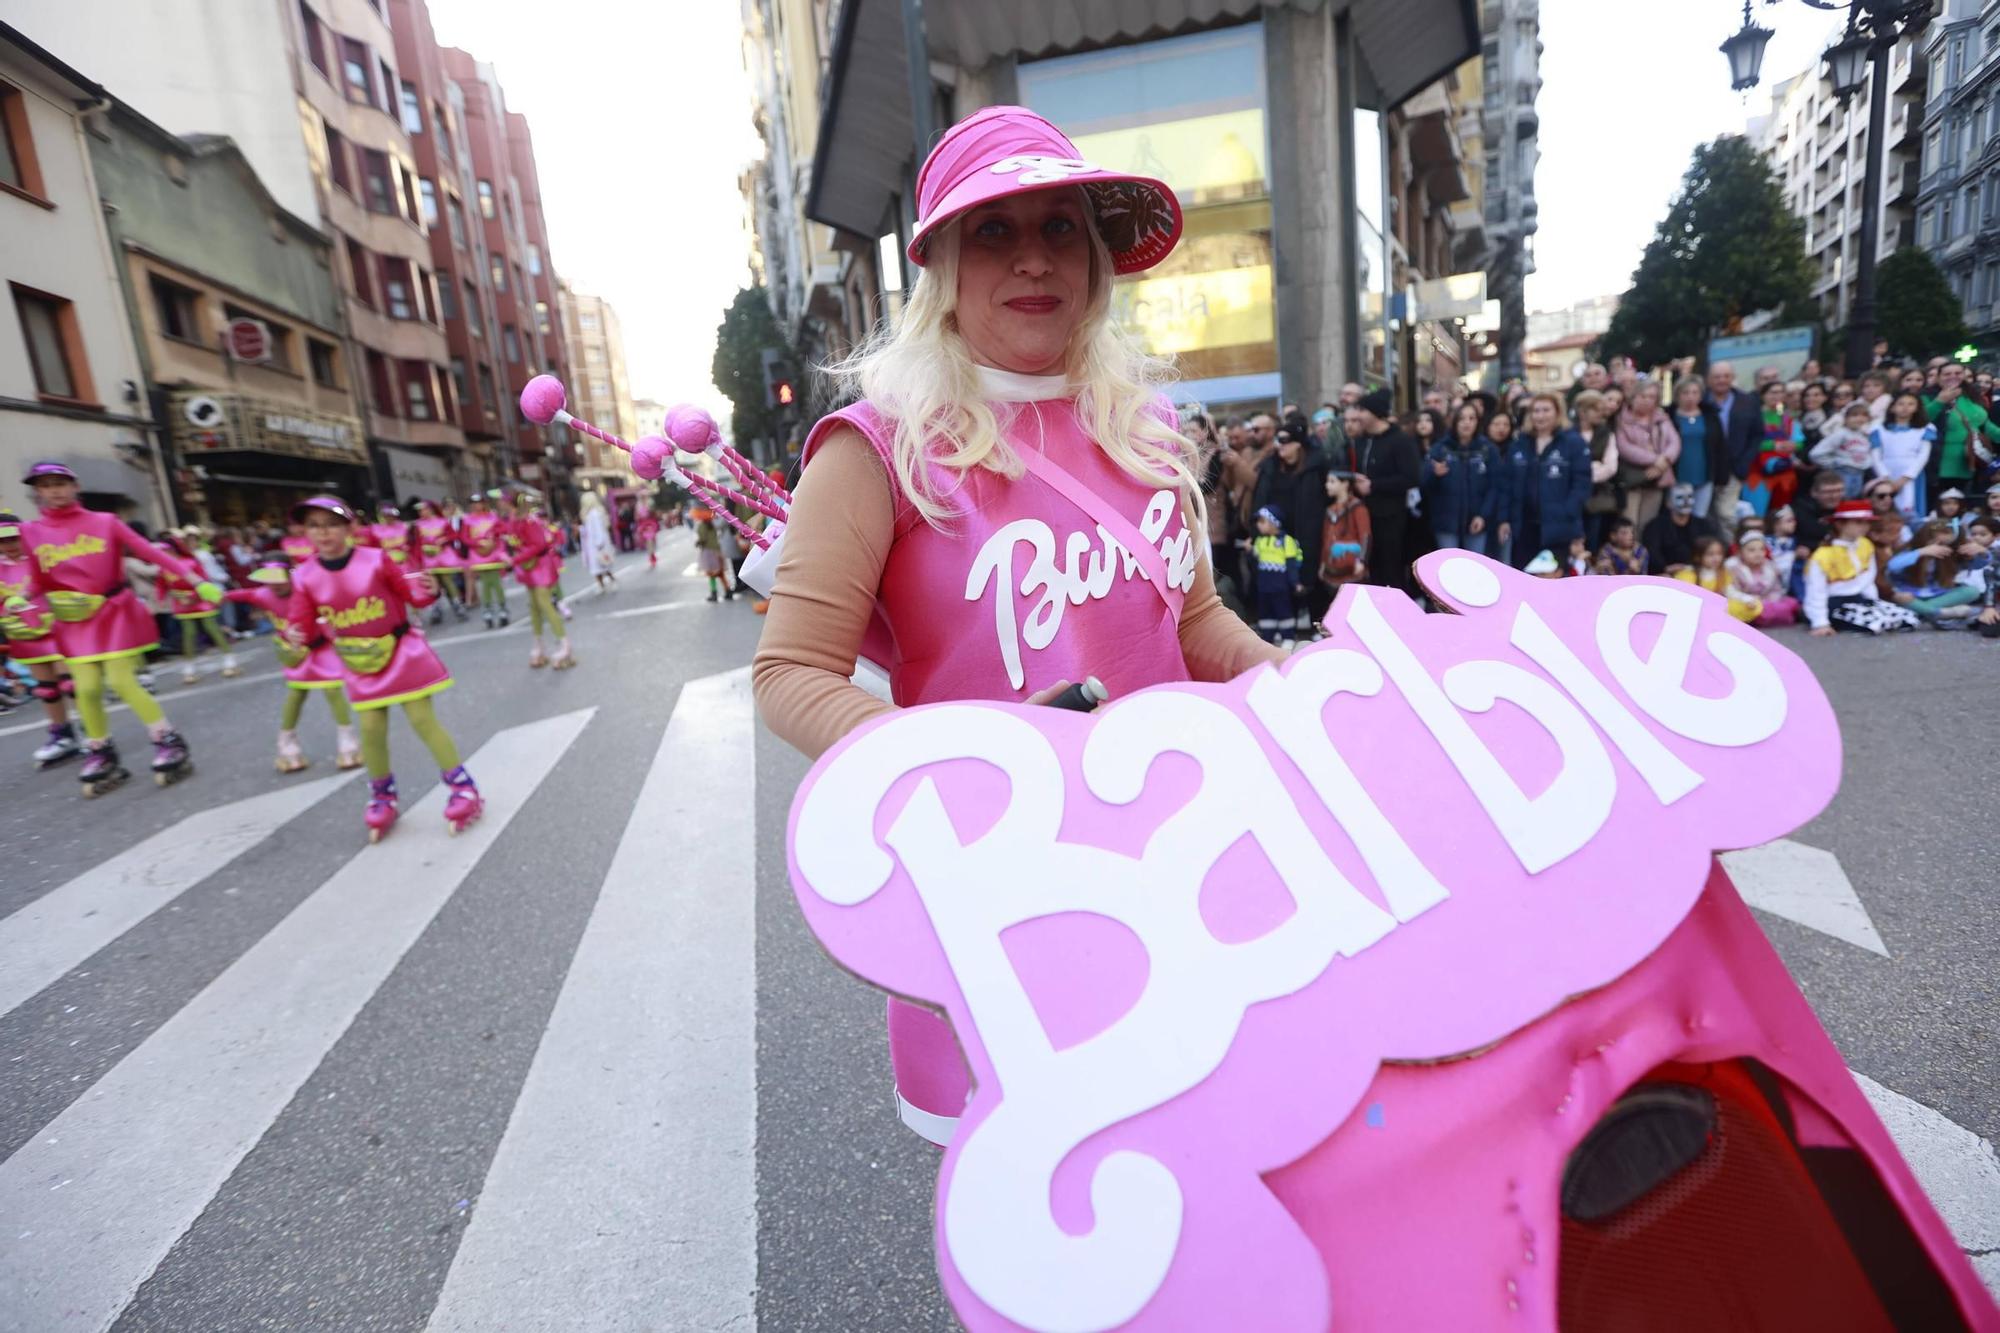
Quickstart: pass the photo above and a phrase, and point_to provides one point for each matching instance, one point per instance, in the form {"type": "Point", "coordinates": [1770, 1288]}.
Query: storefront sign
{"type": "Point", "coordinates": [1786, 350]}
{"type": "Point", "coordinates": [227, 422]}
{"type": "Point", "coordinates": [415, 474]}
{"type": "Point", "coordinates": [247, 340]}
{"type": "Point", "coordinates": [1460, 296]}
{"type": "Point", "coordinates": [1191, 312]}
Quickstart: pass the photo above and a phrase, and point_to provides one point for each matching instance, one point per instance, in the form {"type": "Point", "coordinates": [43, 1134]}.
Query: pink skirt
{"type": "Point", "coordinates": [30, 651]}
{"type": "Point", "coordinates": [412, 672]}
{"type": "Point", "coordinates": [320, 670]}
{"type": "Point", "coordinates": [121, 627]}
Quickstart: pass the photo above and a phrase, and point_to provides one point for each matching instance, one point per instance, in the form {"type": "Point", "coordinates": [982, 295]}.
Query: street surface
{"type": "Point", "coordinates": [583, 1067]}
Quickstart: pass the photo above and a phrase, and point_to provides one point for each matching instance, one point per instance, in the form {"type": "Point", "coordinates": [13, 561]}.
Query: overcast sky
{"type": "Point", "coordinates": [641, 116]}
{"type": "Point", "coordinates": [642, 124]}
{"type": "Point", "coordinates": [1628, 90]}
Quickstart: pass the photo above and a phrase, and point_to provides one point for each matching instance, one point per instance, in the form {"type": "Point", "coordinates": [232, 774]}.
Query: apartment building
{"type": "Point", "coordinates": [599, 391]}
{"type": "Point", "coordinates": [1958, 198]}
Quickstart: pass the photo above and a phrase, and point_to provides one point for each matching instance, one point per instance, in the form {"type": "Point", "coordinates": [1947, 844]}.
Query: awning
{"type": "Point", "coordinates": [865, 140]}
{"type": "Point", "coordinates": [204, 421]}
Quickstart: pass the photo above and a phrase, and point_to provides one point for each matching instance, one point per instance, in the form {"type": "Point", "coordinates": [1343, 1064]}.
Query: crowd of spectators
{"type": "Point", "coordinates": [1867, 504]}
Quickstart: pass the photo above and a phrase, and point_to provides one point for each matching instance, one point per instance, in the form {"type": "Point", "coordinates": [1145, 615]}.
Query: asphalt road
{"type": "Point", "coordinates": [261, 1078]}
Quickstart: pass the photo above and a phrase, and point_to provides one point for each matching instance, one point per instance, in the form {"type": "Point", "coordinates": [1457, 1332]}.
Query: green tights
{"type": "Point", "coordinates": [122, 674]}
{"type": "Point", "coordinates": [191, 636]}
{"type": "Point", "coordinates": [492, 593]}
{"type": "Point", "coordinates": [423, 721]}
{"type": "Point", "coordinates": [541, 607]}
{"type": "Point", "coordinates": [295, 703]}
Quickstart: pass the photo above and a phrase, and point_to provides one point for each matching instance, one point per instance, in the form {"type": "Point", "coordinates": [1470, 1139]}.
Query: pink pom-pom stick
{"type": "Point", "coordinates": [718, 500]}
{"type": "Point", "coordinates": [756, 502]}
{"type": "Point", "coordinates": [753, 482]}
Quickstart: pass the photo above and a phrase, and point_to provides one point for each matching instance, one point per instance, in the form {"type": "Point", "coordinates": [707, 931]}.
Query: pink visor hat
{"type": "Point", "coordinates": [1009, 150]}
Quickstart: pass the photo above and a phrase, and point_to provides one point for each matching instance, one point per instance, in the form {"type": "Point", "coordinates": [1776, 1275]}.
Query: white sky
{"type": "Point", "coordinates": [641, 116]}
{"type": "Point", "coordinates": [1628, 90]}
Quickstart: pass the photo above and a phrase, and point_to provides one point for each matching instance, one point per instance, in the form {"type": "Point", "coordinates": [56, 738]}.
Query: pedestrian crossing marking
{"type": "Point", "coordinates": [98, 1198]}
{"type": "Point", "coordinates": [66, 925]}
{"type": "Point", "coordinates": [636, 1125]}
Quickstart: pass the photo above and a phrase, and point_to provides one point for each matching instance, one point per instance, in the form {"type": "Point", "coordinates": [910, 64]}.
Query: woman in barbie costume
{"type": "Point", "coordinates": [484, 533]}
{"type": "Point", "coordinates": [309, 667]}
{"type": "Point", "coordinates": [1004, 402]}
{"type": "Point", "coordinates": [361, 599]}
{"type": "Point", "coordinates": [195, 615]}
{"type": "Point", "coordinates": [77, 572]}
{"type": "Point", "coordinates": [437, 552]}
{"type": "Point", "coordinates": [537, 564]}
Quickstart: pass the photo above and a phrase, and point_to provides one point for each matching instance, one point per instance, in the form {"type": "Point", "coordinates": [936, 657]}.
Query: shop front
{"type": "Point", "coordinates": [240, 459]}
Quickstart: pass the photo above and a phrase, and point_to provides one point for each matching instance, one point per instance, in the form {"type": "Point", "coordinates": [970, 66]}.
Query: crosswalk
{"type": "Point", "coordinates": [622, 1186]}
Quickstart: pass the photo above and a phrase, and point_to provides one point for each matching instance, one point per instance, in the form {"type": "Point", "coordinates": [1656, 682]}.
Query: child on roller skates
{"type": "Point", "coordinates": [362, 599]}
{"type": "Point", "coordinates": [37, 655]}
{"type": "Point", "coordinates": [99, 625]}
{"type": "Point", "coordinates": [313, 667]}
{"type": "Point", "coordinates": [193, 613]}
{"type": "Point", "coordinates": [437, 551]}
{"type": "Point", "coordinates": [537, 562]}
{"type": "Point", "coordinates": [485, 557]}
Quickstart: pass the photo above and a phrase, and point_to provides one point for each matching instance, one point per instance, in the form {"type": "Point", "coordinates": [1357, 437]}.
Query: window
{"type": "Point", "coordinates": [1933, 150]}
{"type": "Point", "coordinates": [542, 317]}
{"type": "Point", "coordinates": [55, 348]}
{"type": "Point", "coordinates": [486, 394]}
{"type": "Point", "coordinates": [314, 36]}
{"type": "Point", "coordinates": [427, 288]}
{"type": "Point", "coordinates": [174, 308]}
{"type": "Point", "coordinates": [417, 391]}
{"type": "Point", "coordinates": [586, 321]}
{"type": "Point", "coordinates": [354, 66]}
{"type": "Point", "coordinates": [443, 123]}
{"type": "Point", "coordinates": [1927, 226]}
{"type": "Point", "coordinates": [396, 288]}
{"type": "Point", "coordinates": [19, 169]}
{"type": "Point", "coordinates": [337, 165]}
{"type": "Point", "coordinates": [520, 281]}
{"type": "Point", "coordinates": [458, 376]}
{"type": "Point", "coordinates": [325, 365]}
{"type": "Point", "coordinates": [388, 87]}
{"type": "Point", "coordinates": [364, 281]}
{"type": "Point", "coordinates": [486, 199]}
{"type": "Point", "coordinates": [511, 342]}
{"type": "Point", "coordinates": [514, 210]}
{"type": "Point", "coordinates": [601, 388]}
{"type": "Point", "coordinates": [499, 274]}
{"type": "Point", "coordinates": [455, 211]}
{"type": "Point", "coordinates": [381, 388]}
{"type": "Point", "coordinates": [411, 210]}
{"type": "Point", "coordinates": [447, 303]}
{"type": "Point", "coordinates": [413, 109]}
{"type": "Point", "coordinates": [429, 190]}
{"type": "Point", "coordinates": [474, 321]}
{"type": "Point", "coordinates": [381, 187]}
{"type": "Point", "coordinates": [1969, 207]}
{"type": "Point", "coordinates": [534, 259]}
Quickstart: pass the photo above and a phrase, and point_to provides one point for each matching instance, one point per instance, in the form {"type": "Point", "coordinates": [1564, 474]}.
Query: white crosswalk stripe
{"type": "Point", "coordinates": [68, 924]}
{"type": "Point", "coordinates": [636, 1128]}
{"type": "Point", "coordinates": [96, 1200]}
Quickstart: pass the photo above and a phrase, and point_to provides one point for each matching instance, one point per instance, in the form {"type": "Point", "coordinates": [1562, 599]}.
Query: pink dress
{"type": "Point", "coordinates": [537, 557]}
{"type": "Point", "coordinates": [17, 580]}
{"type": "Point", "coordinates": [1020, 589]}
{"type": "Point", "coordinates": [437, 545]}
{"type": "Point", "coordinates": [313, 667]}
{"type": "Point", "coordinates": [483, 536]}
{"type": "Point", "coordinates": [363, 608]}
{"type": "Point", "coordinates": [394, 539]}
{"type": "Point", "coordinates": [77, 568]}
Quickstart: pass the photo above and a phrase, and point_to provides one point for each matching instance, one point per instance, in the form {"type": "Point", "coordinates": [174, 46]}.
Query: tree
{"type": "Point", "coordinates": [1915, 308]}
{"type": "Point", "coordinates": [747, 329]}
{"type": "Point", "coordinates": [1727, 248]}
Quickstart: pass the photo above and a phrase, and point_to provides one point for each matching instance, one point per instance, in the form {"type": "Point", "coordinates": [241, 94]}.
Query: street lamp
{"type": "Point", "coordinates": [1873, 29]}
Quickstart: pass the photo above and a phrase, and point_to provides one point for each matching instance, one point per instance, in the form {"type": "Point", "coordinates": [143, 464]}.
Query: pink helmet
{"type": "Point", "coordinates": [1009, 150]}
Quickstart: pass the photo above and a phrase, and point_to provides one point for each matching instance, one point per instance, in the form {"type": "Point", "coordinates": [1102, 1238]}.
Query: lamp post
{"type": "Point", "coordinates": [1873, 29]}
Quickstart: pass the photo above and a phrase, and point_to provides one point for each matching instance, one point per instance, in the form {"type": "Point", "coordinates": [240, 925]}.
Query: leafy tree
{"type": "Point", "coordinates": [1727, 248]}
{"type": "Point", "coordinates": [748, 328]}
{"type": "Point", "coordinates": [1915, 308]}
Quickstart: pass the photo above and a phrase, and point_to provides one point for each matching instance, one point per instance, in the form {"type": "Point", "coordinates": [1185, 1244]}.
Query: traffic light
{"type": "Point", "coordinates": [778, 383]}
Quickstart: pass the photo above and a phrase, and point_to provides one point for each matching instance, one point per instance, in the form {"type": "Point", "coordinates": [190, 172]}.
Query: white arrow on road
{"type": "Point", "coordinates": [1958, 1170]}
{"type": "Point", "coordinates": [1806, 885]}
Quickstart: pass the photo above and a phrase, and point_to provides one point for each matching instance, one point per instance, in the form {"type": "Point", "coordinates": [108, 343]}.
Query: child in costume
{"type": "Point", "coordinates": [537, 562]}
{"type": "Point", "coordinates": [298, 547]}
{"type": "Point", "coordinates": [708, 555]}
{"type": "Point", "coordinates": [484, 533]}
{"type": "Point", "coordinates": [1711, 571]}
{"type": "Point", "coordinates": [1622, 553]}
{"type": "Point", "coordinates": [437, 552]}
{"type": "Point", "coordinates": [100, 626]}
{"type": "Point", "coordinates": [649, 536]}
{"type": "Point", "coordinates": [194, 614]}
{"type": "Point", "coordinates": [36, 652]}
{"type": "Point", "coordinates": [1841, 591]}
{"type": "Point", "coordinates": [1950, 511]}
{"type": "Point", "coordinates": [1846, 448]}
{"type": "Point", "coordinates": [1754, 577]}
{"type": "Point", "coordinates": [1344, 545]}
{"type": "Point", "coordinates": [1926, 576]}
{"type": "Point", "coordinates": [1774, 474]}
{"type": "Point", "coordinates": [363, 598]}
{"type": "Point", "coordinates": [392, 534]}
{"type": "Point", "coordinates": [309, 667]}
{"type": "Point", "coordinates": [1278, 560]}
{"type": "Point", "coordinates": [1902, 450]}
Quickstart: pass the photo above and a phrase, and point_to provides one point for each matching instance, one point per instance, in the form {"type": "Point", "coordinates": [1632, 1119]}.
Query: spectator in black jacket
{"type": "Point", "coordinates": [1292, 483]}
{"type": "Point", "coordinates": [1670, 538]}
{"type": "Point", "coordinates": [1390, 467]}
{"type": "Point", "coordinates": [1816, 509]}
{"type": "Point", "coordinates": [1742, 418]}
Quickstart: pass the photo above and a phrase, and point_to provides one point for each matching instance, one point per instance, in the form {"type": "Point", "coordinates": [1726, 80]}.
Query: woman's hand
{"type": "Point", "coordinates": [1477, 526]}
{"type": "Point", "coordinates": [1505, 534]}
{"type": "Point", "coordinates": [1362, 485]}
{"type": "Point", "coordinates": [1441, 468]}
{"type": "Point", "coordinates": [425, 581]}
{"type": "Point", "coordinates": [1048, 695]}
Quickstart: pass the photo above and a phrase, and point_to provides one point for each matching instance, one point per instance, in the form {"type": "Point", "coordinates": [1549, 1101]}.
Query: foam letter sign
{"type": "Point", "coordinates": [1177, 937]}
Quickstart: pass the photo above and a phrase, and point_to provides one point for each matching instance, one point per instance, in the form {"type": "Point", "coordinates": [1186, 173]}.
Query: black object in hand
{"type": "Point", "coordinates": [1082, 697]}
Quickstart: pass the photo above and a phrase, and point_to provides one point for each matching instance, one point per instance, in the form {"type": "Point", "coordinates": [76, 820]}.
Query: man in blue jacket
{"type": "Point", "coordinates": [1543, 482]}
{"type": "Point", "coordinates": [1742, 438]}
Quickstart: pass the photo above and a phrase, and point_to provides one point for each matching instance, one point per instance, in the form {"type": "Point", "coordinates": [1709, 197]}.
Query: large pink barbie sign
{"type": "Point", "coordinates": [1177, 938]}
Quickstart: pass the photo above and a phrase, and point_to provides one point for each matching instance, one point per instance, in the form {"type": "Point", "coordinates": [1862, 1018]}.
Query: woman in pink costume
{"type": "Point", "coordinates": [1002, 415]}
{"type": "Point", "coordinates": [193, 613]}
{"type": "Point", "coordinates": [649, 536]}
{"type": "Point", "coordinates": [360, 599]}
{"type": "Point", "coordinates": [34, 648]}
{"type": "Point", "coordinates": [484, 533]}
{"type": "Point", "coordinates": [101, 626]}
{"type": "Point", "coordinates": [437, 552]}
{"type": "Point", "coordinates": [313, 667]}
{"type": "Point", "coordinates": [537, 564]}
{"type": "Point", "coordinates": [392, 535]}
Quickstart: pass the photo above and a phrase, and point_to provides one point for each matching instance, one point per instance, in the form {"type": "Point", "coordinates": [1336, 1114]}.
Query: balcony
{"type": "Point", "coordinates": [1915, 79]}
{"type": "Point", "coordinates": [1904, 184]}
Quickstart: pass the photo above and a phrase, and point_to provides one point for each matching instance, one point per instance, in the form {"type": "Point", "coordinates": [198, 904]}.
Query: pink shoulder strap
{"type": "Point", "coordinates": [1078, 492]}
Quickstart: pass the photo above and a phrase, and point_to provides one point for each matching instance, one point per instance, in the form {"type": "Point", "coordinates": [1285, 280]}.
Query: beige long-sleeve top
{"type": "Point", "coordinates": [842, 525]}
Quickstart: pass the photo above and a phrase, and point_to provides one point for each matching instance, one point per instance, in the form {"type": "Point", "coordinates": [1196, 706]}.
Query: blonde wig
{"type": "Point", "coordinates": [920, 374]}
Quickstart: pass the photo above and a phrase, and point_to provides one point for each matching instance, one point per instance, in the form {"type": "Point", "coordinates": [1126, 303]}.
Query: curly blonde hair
{"type": "Point", "coordinates": [920, 375]}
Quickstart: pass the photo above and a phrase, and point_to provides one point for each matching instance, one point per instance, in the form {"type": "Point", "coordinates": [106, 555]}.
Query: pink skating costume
{"type": "Point", "coordinates": [953, 623]}
{"type": "Point", "coordinates": [363, 604]}
{"type": "Point", "coordinates": [183, 601]}
{"type": "Point", "coordinates": [17, 581]}
{"type": "Point", "coordinates": [483, 536]}
{"type": "Point", "coordinates": [437, 544]}
{"type": "Point", "coordinates": [313, 667]}
{"type": "Point", "coordinates": [76, 566]}
{"type": "Point", "coordinates": [394, 541]}
{"type": "Point", "coordinates": [537, 556]}
{"type": "Point", "coordinates": [298, 550]}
